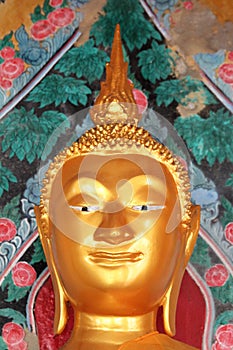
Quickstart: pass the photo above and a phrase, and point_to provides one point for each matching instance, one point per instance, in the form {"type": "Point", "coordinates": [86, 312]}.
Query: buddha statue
{"type": "Point", "coordinates": [117, 227]}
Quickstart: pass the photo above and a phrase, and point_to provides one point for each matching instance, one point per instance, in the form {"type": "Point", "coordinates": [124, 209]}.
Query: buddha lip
{"type": "Point", "coordinates": [105, 257]}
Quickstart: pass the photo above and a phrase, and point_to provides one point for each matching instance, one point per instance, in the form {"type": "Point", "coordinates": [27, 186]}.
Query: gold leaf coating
{"type": "Point", "coordinates": [116, 102]}
{"type": "Point", "coordinates": [117, 136]}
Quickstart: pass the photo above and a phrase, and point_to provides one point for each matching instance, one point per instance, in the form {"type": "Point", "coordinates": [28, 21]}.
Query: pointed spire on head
{"type": "Point", "coordinates": [116, 102]}
{"type": "Point", "coordinates": [117, 45]}
{"type": "Point", "coordinates": [118, 68]}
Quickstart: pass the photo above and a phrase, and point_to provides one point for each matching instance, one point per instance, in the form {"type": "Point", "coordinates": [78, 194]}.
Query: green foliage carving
{"type": "Point", "coordinates": [6, 41]}
{"type": "Point", "coordinates": [14, 316]}
{"type": "Point", "coordinates": [41, 12]}
{"type": "Point", "coordinates": [135, 29]}
{"type": "Point", "coordinates": [14, 293]}
{"type": "Point", "coordinates": [228, 211]}
{"type": "Point", "coordinates": [208, 138]}
{"type": "Point", "coordinates": [86, 61]}
{"type": "Point", "coordinates": [38, 254]}
{"type": "Point", "coordinates": [200, 254]}
{"type": "Point", "coordinates": [137, 84]}
{"type": "Point", "coordinates": [224, 293]}
{"type": "Point", "coordinates": [6, 176]}
{"type": "Point", "coordinates": [37, 14]}
{"type": "Point", "coordinates": [3, 345]}
{"type": "Point", "coordinates": [179, 90]}
{"type": "Point", "coordinates": [56, 89]}
{"type": "Point", "coordinates": [26, 135]}
{"type": "Point", "coordinates": [224, 318]}
{"type": "Point", "coordinates": [155, 63]}
{"type": "Point", "coordinates": [229, 182]}
{"type": "Point", "coordinates": [11, 210]}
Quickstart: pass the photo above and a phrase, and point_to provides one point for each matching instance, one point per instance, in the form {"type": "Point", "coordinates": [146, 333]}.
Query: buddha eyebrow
{"type": "Point", "coordinates": [148, 181]}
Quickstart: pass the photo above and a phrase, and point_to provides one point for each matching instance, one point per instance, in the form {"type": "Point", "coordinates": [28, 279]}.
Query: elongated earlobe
{"type": "Point", "coordinates": [170, 300]}
{"type": "Point", "coordinates": [61, 316]}
{"type": "Point", "coordinates": [192, 232]}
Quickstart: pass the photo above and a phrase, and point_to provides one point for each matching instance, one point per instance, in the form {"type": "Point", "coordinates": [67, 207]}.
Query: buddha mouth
{"type": "Point", "coordinates": [106, 258]}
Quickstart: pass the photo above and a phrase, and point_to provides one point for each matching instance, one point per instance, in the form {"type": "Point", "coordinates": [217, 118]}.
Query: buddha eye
{"type": "Point", "coordinates": [145, 207]}
{"type": "Point", "coordinates": [86, 209]}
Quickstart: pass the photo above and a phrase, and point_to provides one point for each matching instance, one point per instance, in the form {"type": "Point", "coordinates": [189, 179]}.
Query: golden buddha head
{"type": "Point", "coordinates": [115, 219]}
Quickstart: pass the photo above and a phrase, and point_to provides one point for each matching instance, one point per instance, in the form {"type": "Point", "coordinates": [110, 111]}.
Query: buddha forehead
{"type": "Point", "coordinates": [113, 166]}
{"type": "Point", "coordinates": [131, 174]}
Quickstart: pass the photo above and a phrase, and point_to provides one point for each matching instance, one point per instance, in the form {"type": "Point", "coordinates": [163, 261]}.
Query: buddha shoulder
{"type": "Point", "coordinates": [155, 341]}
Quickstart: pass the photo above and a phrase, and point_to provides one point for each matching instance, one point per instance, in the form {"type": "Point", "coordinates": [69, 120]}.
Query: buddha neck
{"type": "Point", "coordinates": [108, 332]}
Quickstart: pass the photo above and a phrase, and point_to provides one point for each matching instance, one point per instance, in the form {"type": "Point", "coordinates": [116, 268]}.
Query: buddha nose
{"type": "Point", "coordinates": [114, 229]}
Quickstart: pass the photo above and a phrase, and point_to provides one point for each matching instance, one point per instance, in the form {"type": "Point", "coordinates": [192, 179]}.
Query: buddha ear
{"type": "Point", "coordinates": [61, 316]}
{"type": "Point", "coordinates": [169, 303]}
{"type": "Point", "coordinates": [171, 297]}
{"type": "Point", "coordinates": [192, 231]}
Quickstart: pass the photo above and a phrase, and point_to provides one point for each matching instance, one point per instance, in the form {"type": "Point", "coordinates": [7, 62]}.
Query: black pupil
{"type": "Point", "coordinates": [84, 209]}
{"type": "Point", "coordinates": [144, 207]}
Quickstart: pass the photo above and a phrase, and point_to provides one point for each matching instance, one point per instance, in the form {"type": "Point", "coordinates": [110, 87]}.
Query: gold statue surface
{"type": "Point", "coordinates": [117, 227]}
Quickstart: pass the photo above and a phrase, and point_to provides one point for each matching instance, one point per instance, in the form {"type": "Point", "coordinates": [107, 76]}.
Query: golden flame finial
{"type": "Point", "coordinates": [116, 102]}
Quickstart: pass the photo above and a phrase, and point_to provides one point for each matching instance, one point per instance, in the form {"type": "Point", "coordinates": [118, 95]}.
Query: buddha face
{"type": "Point", "coordinates": [116, 232]}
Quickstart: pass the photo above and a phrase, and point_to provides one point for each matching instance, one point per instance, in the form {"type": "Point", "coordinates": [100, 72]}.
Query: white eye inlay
{"type": "Point", "coordinates": [145, 207]}
{"type": "Point", "coordinates": [86, 209]}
